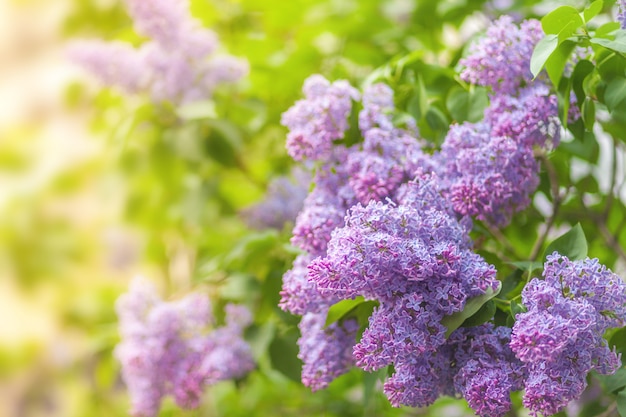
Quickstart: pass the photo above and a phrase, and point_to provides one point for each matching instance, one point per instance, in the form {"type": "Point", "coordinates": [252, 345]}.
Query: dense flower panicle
{"type": "Point", "coordinates": [166, 349]}
{"type": "Point", "coordinates": [530, 118]}
{"type": "Point", "coordinates": [489, 166]}
{"type": "Point", "coordinates": [326, 353]}
{"type": "Point", "coordinates": [501, 59]}
{"type": "Point", "coordinates": [488, 177]}
{"type": "Point", "coordinates": [559, 338]}
{"type": "Point", "coordinates": [416, 262]}
{"type": "Point", "coordinates": [283, 202]}
{"type": "Point", "coordinates": [179, 64]}
{"type": "Point", "coordinates": [386, 160]}
{"type": "Point", "coordinates": [485, 369]}
{"type": "Point", "coordinates": [319, 119]}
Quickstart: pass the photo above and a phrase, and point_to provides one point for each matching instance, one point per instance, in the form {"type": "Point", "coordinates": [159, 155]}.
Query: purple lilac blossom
{"type": "Point", "coordinates": [487, 177]}
{"type": "Point", "coordinates": [489, 167]}
{"type": "Point", "coordinates": [320, 118]}
{"type": "Point", "coordinates": [559, 338]}
{"type": "Point", "coordinates": [179, 63]}
{"type": "Point", "coordinates": [485, 369]}
{"type": "Point", "coordinates": [166, 350]}
{"type": "Point", "coordinates": [325, 352]}
{"type": "Point", "coordinates": [283, 202]}
{"type": "Point", "coordinates": [418, 265]}
{"type": "Point", "coordinates": [501, 59]}
{"type": "Point", "coordinates": [621, 13]}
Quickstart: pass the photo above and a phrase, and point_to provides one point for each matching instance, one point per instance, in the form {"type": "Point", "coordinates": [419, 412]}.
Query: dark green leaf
{"type": "Point", "coordinates": [572, 244]}
{"type": "Point", "coordinates": [517, 308]}
{"type": "Point", "coordinates": [618, 340]}
{"type": "Point", "coordinates": [284, 355]}
{"type": "Point", "coordinates": [436, 119]}
{"type": "Point", "coordinates": [615, 92]}
{"type": "Point", "coordinates": [542, 52]}
{"type": "Point", "coordinates": [454, 321]}
{"type": "Point", "coordinates": [581, 71]}
{"type": "Point", "coordinates": [511, 283]}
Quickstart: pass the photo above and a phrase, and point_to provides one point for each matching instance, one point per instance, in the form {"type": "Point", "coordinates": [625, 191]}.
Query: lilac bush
{"type": "Point", "coordinates": [389, 220]}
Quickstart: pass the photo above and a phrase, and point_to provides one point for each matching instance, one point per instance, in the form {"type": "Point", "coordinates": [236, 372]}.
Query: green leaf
{"type": "Point", "coordinates": [337, 311]}
{"type": "Point", "coordinates": [593, 10]}
{"type": "Point", "coordinates": [542, 52]}
{"type": "Point", "coordinates": [454, 321]}
{"type": "Point", "coordinates": [483, 315]}
{"type": "Point", "coordinates": [527, 266]}
{"type": "Point", "coordinates": [467, 105]}
{"type": "Point", "coordinates": [581, 71]}
{"type": "Point", "coordinates": [284, 355]}
{"type": "Point", "coordinates": [584, 146]}
{"type": "Point", "coordinates": [606, 29]}
{"type": "Point", "coordinates": [572, 244]}
{"type": "Point", "coordinates": [555, 64]}
{"type": "Point", "coordinates": [618, 44]}
{"type": "Point", "coordinates": [589, 113]}
{"type": "Point", "coordinates": [436, 119]}
{"type": "Point", "coordinates": [618, 340]}
{"type": "Point", "coordinates": [560, 18]}
{"type": "Point", "coordinates": [615, 92]}
{"type": "Point", "coordinates": [621, 403]}
{"type": "Point", "coordinates": [613, 382]}
{"type": "Point", "coordinates": [517, 308]}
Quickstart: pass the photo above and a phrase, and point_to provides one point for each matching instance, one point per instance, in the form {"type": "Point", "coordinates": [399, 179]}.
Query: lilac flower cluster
{"type": "Point", "coordinates": [166, 348]}
{"type": "Point", "coordinates": [282, 203]}
{"type": "Point", "coordinates": [414, 258]}
{"type": "Point", "coordinates": [179, 64]}
{"type": "Point", "coordinates": [490, 165]}
{"type": "Point", "coordinates": [320, 118]}
{"type": "Point", "coordinates": [372, 170]}
{"type": "Point", "coordinates": [485, 370]}
{"type": "Point", "coordinates": [501, 59]}
{"type": "Point", "coordinates": [559, 338]}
